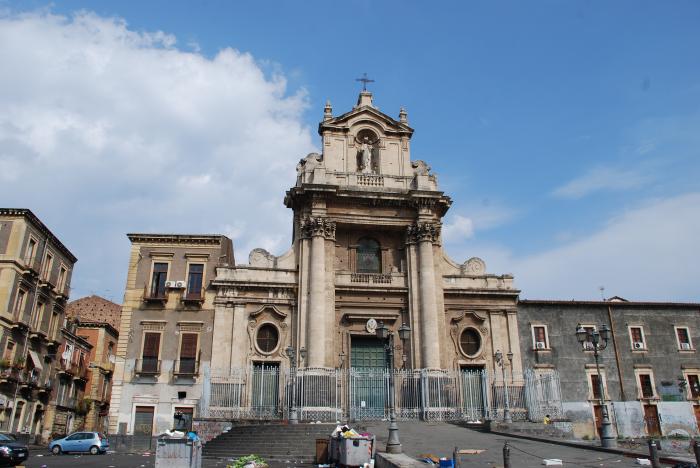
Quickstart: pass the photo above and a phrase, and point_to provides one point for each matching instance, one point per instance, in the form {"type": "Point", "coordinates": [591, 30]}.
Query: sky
{"type": "Point", "coordinates": [566, 133]}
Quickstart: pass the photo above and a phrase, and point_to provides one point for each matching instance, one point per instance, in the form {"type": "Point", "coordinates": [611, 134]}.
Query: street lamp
{"type": "Point", "coordinates": [598, 340]}
{"type": "Point", "coordinates": [393, 445]}
{"type": "Point", "coordinates": [499, 360]}
{"type": "Point", "coordinates": [291, 354]}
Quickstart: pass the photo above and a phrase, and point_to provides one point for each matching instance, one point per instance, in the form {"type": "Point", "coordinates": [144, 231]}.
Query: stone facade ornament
{"type": "Point", "coordinates": [371, 326]}
{"type": "Point", "coordinates": [420, 167]}
{"type": "Point", "coordinates": [474, 266]}
{"type": "Point", "coordinates": [318, 226]}
{"type": "Point", "coordinates": [261, 258]}
{"type": "Point", "coordinates": [420, 232]}
{"type": "Point", "coordinates": [309, 163]}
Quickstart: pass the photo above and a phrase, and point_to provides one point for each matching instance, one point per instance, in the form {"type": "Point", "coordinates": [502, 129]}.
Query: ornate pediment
{"type": "Point", "coordinates": [468, 313]}
{"type": "Point", "coordinates": [271, 309]}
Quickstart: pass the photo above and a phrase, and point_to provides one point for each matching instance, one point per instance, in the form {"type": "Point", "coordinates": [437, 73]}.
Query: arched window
{"type": "Point", "coordinates": [369, 256]}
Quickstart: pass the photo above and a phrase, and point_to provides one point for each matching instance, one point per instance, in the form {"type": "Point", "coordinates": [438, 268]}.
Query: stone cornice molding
{"type": "Point", "coordinates": [36, 222]}
{"type": "Point", "coordinates": [317, 226]}
{"type": "Point", "coordinates": [203, 239]}
{"type": "Point", "coordinates": [423, 232]}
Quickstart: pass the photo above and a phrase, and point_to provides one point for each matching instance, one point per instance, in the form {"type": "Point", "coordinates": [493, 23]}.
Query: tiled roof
{"type": "Point", "coordinates": [95, 309]}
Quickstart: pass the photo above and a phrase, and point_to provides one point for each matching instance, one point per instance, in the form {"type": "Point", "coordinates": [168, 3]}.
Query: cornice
{"type": "Point", "coordinates": [26, 213]}
{"type": "Point", "coordinates": [199, 239]}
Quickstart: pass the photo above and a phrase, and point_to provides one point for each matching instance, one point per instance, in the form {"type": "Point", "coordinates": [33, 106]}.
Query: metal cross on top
{"type": "Point", "coordinates": [364, 80]}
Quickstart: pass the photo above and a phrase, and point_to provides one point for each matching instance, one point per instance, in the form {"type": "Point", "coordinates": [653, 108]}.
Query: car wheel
{"type": "Point", "coordinates": [56, 450]}
{"type": "Point", "coordinates": [94, 450]}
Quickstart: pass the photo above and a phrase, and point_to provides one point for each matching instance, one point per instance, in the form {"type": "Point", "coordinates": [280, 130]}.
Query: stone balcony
{"type": "Point", "coordinates": [374, 280]}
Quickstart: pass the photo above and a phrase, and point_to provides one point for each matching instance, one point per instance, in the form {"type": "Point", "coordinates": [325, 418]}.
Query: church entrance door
{"type": "Point", "coordinates": [265, 390]}
{"type": "Point", "coordinates": [368, 378]}
{"type": "Point", "coordinates": [473, 390]}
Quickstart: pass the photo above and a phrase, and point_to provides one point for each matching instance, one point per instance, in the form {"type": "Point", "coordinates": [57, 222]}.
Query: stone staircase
{"type": "Point", "coordinates": [279, 444]}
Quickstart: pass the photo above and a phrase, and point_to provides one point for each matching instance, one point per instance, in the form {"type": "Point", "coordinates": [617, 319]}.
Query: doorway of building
{"type": "Point", "coordinates": [651, 420]}
{"type": "Point", "coordinates": [143, 420]}
{"type": "Point", "coordinates": [696, 408]}
{"type": "Point", "coordinates": [598, 418]}
{"type": "Point", "coordinates": [265, 389]}
{"type": "Point", "coordinates": [368, 378]}
{"type": "Point", "coordinates": [473, 392]}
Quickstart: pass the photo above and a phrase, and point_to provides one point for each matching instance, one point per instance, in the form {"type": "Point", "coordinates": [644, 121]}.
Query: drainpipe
{"type": "Point", "coordinates": [617, 352]}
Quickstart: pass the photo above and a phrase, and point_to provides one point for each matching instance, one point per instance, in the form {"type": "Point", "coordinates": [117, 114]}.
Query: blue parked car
{"type": "Point", "coordinates": [92, 442]}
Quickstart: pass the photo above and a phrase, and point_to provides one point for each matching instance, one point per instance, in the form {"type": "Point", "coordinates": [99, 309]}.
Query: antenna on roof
{"type": "Point", "coordinates": [602, 292]}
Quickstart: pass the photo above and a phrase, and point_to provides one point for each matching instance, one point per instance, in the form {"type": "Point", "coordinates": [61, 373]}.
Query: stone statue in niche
{"type": "Point", "coordinates": [364, 155]}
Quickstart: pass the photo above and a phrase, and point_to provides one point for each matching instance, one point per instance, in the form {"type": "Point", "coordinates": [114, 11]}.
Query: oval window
{"type": "Point", "coordinates": [470, 341]}
{"type": "Point", "coordinates": [267, 338]}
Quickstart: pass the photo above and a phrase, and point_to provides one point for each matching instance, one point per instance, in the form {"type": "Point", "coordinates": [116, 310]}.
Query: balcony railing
{"type": "Point", "coordinates": [154, 296]}
{"type": "Point", "coordinates": [9, 374]}
{"type": "Point", "coordinates": [65, 368]}
{"type": "Point", "coordinates": [147, 366]}
{"type": "Point", "coordinates": [193, 298]}
{"type": "Point", "coordinates": [186, 368]}
{"type": "Point", "coordinates": [28, 379]}
{"type": "Point", "coordinates": [46, 387]}
{"type": "Point", "coordinates": [67, 402]}
{"type": "Point", "coordinates": [375, 278]}
{"type": "Point", "coordinates": [80, 372]}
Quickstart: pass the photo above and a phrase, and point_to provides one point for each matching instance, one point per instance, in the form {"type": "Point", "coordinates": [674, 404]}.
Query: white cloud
{"type": "Point", "coordinates": [458, 228]}
{"type": "Point", "coordinates": [602, 179]}
{"type": "Point", "coordinates": [648, 253]}
{"type": "Point", "coordinates": [105, 130]}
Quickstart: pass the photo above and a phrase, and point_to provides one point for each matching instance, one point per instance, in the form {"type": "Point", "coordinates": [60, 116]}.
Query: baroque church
{"type": "Point", "coordinates": [206, 339]}
{"type": "Point", "coordinates": [366, 248]}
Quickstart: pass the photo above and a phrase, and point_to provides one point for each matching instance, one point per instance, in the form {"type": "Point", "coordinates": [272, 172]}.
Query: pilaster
{"type": "Point", "coordinates": [424, 234]}
{"type": "Point", "coordinates": [321, 294]}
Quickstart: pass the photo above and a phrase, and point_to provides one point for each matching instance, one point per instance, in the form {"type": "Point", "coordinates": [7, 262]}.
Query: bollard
{"type": "Point", "coordinates": [455, 458]}
{"type": "Point", "coordinates": [696, 449]}
{"type": "Point", "coordinates": [506, 455]}
{"type": "Point", "coordinates": [654, 454]}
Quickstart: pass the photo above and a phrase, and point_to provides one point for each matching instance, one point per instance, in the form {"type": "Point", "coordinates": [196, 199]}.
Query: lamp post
{"type": "Point", "coordinates": [501, 362]}
{"type": "Point", "coordinates": [599, 341]}
{"type": "Point", "coordinates": [393, 445]}
{"type": "Point", "coordinates": [291, 353]}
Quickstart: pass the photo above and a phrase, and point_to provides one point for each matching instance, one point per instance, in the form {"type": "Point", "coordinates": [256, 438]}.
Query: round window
{"type": "Point", "coordinates": [267, 338]}
{"type": "Point", "coordinates": [470, 341]}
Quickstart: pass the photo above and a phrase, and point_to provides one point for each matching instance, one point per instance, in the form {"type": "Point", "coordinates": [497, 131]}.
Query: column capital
{"type": "Point", "coordinates": [313, 226]}
{"type": "Point", "coordinates": [421, 232]}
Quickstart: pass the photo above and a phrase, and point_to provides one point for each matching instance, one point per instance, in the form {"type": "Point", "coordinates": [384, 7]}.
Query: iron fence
{"type": "Point", "coordinates": [268, 393]}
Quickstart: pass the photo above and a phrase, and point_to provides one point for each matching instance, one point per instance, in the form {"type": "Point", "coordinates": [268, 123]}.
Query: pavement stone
{"type": "Point", "coordinates": [440, 439]}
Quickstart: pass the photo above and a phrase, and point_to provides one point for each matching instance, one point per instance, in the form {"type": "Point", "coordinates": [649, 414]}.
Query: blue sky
{"type": "Point", "coordinates": [567, 133]}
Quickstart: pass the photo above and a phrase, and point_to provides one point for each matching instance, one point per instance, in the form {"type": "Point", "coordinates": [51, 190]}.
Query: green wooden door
{"type": "Point", "coordinates": [369, 378]}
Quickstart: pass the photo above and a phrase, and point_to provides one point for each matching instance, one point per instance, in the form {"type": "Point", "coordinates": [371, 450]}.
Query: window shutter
{"type": "Point", "coordinates": [188, 347]}
{"type": "Point", "coordinates": [151, 343]}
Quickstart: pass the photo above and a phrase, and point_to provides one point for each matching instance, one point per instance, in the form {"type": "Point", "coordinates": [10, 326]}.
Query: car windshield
{"type": "Point", "coordinates": [6, 438]}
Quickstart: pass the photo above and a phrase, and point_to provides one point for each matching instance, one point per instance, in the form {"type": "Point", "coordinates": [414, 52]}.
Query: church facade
{"type": "Point", "coordinates": [205, 339]}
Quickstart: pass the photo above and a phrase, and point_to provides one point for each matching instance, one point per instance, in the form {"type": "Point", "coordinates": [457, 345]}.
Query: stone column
{"type": "Point", "coordinates": [424, 234]}
{"type": "Point", "coordinates": [319, 229]}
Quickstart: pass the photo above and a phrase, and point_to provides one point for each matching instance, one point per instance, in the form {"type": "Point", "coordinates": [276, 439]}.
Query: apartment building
{"type": "Point", "coordinates": [165, 343]}
{"type": "Point", "coordinates": [97, 321]}
{"type": "Point", "coordinates": [35, 275]}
